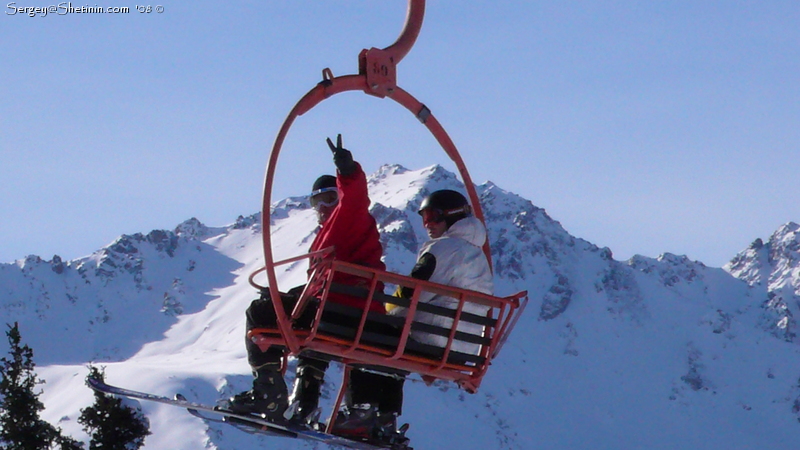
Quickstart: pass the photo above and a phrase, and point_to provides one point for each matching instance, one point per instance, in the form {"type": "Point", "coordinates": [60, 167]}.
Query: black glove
{"type": "Point", "coordinates": [342, 157]}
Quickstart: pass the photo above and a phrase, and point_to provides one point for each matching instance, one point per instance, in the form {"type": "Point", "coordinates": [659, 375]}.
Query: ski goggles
{"type": "Point", "coordinates": [435, 215]}
{"type": "Point", "coordinates": [431, 215]}
{"type": "Point", "coordinates": [328, 197]}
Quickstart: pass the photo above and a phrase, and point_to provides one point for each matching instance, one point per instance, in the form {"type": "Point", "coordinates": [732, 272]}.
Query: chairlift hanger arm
{"type": "Point", "coordinates": [380, 66]}
{"type": "Point", "coordinates": [407, 38]}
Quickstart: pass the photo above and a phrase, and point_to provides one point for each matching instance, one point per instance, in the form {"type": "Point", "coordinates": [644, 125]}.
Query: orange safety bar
{"type": "Point", "coordinates": [402, 352]}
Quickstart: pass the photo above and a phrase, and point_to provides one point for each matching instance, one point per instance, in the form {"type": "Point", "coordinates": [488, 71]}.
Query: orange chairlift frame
{"type": "Point", "coordinates": [377, 77]}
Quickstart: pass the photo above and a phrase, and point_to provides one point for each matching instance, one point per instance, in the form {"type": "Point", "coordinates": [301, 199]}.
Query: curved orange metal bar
{"type": "Point", "coordinates": [407, 38]}
{"type": "Point", "coordinates": [322, 91]}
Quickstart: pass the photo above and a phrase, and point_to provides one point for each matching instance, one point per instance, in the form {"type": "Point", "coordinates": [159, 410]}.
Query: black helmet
{"type": "Point", "coordinates": [450, 206]}
{"type": "Point", "coordinates": [323, 182]}
{"type": "Point", "coordinates": [324, 197]}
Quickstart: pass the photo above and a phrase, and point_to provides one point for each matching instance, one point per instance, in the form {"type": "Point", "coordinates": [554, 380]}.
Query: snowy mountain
{"type": "Point", "coordinates": [774, 266]}
{"type": "Point", "coordinates": [642, 354]}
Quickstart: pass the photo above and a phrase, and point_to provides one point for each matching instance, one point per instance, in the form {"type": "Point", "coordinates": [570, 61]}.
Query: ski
{"type": "Point", "coordinates": [220, 419]}
{"type": "Point", "coordinates": [245, 422]}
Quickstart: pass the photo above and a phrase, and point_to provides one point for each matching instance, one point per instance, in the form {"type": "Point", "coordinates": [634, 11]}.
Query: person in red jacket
{"type": "Point", "coordinates": [342, 206]}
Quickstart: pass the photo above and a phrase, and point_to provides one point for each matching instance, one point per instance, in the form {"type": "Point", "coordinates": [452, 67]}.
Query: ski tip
{"type": "Point", "coordinates": [94, 383]}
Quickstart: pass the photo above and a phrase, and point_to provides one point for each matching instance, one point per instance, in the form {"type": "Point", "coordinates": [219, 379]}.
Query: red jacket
{"type": "Point", "coordinates": [353, 233]}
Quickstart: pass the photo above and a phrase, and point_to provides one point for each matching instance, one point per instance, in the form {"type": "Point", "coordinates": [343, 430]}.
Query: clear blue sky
{"type": "Point", "coordinates": [647, 127]}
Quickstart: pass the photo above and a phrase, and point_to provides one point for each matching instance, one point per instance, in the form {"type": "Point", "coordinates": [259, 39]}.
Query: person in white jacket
{"type": "Point", "coordinates": [454, 257]}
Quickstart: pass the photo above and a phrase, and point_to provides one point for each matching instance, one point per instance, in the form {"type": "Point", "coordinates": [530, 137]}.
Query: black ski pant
{"type": "Point", "coordinates": [386, 392]}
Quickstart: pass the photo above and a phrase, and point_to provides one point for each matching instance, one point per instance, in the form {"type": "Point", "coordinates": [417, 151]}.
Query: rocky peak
{"type": "Point", "coordinates": [57, 265]}
{"type": "Point", "coordinates": [397, 187]}
{"type": "Point", "coordinates": [243, 222]}
{"type": "Point", "coordinates": [751, 264]}
{"type": "Point", "coordinates": [29, 262]}
{"type": "Point", "coordinates": [280, 209]}
{"type": "Point", "coordinates": [784, 245]}
{"type": "Point", "coordinates": [775, 266]}
{"type": "Point", "coordinates": [671, 269]}
{"type": "Point", "coordinates": [387, 170]}
{"type": "Point", "coordinates": [192, 228]}
{"type": "Point", "coordinates": [775, 262]}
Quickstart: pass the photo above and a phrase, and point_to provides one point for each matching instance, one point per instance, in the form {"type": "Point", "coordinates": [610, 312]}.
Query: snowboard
{"type": "Point", "coordinates": [245, 422]}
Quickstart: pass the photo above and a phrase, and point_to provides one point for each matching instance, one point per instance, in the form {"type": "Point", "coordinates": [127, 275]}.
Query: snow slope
{"type": "Point", "coordinates": [650, 353]}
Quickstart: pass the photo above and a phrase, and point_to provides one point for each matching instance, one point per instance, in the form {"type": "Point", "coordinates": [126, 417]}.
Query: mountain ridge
{"type": "Point", "coordinates": [614, 350]}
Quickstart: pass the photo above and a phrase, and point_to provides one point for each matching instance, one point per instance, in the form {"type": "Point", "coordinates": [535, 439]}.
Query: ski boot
{"type": "Point", "coordinates": [267, 399]}
{"type": "Point", "coordinates": [386, 433]}
{"type": "Point", "coordinates": [356, 422]}
{"type": "Point", "coordinates": [304, 400]}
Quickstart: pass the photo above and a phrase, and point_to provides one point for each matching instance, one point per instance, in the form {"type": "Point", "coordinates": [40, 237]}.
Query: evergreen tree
{"type": "Point", "coordinates": [112, 425]}
{"type": "Point", "coordinates": [20, 425]}
{"type": "Point", "coordinates": [67, 443]}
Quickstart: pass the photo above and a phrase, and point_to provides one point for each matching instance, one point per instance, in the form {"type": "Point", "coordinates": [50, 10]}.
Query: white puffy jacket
{"type": "Point", "coordinates": [460, 262]}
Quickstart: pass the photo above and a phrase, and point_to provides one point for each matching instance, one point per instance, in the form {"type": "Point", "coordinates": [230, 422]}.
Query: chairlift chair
{"type": "Point", "coordinates": [359, 345]}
